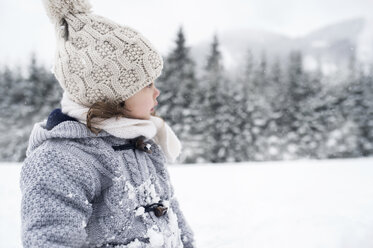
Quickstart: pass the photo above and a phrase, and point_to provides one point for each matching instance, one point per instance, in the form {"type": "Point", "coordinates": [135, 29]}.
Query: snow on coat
{"type": "Point", "coordinates": [77, 191]}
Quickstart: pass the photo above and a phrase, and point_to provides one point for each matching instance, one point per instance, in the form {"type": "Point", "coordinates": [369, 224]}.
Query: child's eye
{"type": "Point", "coordinates": [150, 85]}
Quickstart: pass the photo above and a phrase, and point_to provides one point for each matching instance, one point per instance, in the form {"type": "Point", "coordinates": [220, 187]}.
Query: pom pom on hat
{"type": "Point", "coordinates": [59, 9]}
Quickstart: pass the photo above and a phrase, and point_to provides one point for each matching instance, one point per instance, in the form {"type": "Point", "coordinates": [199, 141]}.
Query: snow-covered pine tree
{"type": "Point", "coordinates": [218, 108]}
{"type": "Point", "coordinates": [177, 101]}
{"type": "Point", "coordinates": [26, 101]}
{"type": "Point", "coordinates": [257, 106]}
{"type": "Point", "coordinates": [295, 86]}
{"type": "Point", "coordinates": [7, 79]}
{"type": "Point", "coordinates": [340, 132]}
{"type": "Point", "coordinates": [305, 95]}
{"type": "Point", "coordinates": [243, 143]}
{"type": "Point", "coordinates": [267, 83]}
{"type": "Point", "coordinates": [270, 143]}
{"type": "Point", "coordinates": [228, 119]}
{"type": "Point", "coordinates": [338, 115]}
{"type": "Point", "coordinates": [367, 122]}
{"type": "Point", "coordinates": [259, 78]}
{"type": "Point", "coordinates": [311, 133]}
{"type": "Point", "coordinates": [358, 107]}
{"type": "Point", "coordinates": [45, 90]}
{"type": "Point", "coordinates": [12, 111]}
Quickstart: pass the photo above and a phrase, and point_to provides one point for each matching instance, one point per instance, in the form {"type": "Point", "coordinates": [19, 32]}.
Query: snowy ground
{"type": "Point", "coordinates": [306, 204]}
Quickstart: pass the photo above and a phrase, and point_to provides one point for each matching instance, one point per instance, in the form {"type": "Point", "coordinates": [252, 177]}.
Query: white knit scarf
{"type": "Point", "coordinates": [154, 128]}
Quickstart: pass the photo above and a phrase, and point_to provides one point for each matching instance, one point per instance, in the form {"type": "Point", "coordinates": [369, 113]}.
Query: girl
{"type": "Point", "coordinates": [95, 170]}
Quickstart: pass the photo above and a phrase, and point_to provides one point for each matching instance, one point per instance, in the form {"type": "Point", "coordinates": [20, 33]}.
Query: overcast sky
{"type": "Point", "coordinates": [25, 27]}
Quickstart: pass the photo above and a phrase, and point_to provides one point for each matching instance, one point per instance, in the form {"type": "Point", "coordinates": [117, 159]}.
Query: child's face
{"type": "Point", "coordinates": [143, 102]}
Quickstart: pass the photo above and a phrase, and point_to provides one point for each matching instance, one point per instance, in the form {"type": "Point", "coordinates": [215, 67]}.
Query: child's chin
{"type": "Point", "coordinates": [140, 117]}
{"type": "Point", "coordinates": [146, 117]}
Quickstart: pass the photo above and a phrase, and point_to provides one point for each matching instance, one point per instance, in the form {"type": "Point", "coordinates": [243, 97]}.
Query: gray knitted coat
{"type": "Point", "coordinates": [77, 191]}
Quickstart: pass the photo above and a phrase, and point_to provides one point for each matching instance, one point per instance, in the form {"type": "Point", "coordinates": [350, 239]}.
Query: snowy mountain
{"type": "Point", "coordinates": [365, 42]}
{"type": "Point", "coordinates": [334, 44]}
{"type": "Point", "coordinates": [331, 45]}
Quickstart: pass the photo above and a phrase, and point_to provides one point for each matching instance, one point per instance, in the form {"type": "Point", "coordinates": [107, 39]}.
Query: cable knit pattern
{"type": "Point", "coordinates": [98, 59]}
{"type": "Point", "coordinates": [78, 192]}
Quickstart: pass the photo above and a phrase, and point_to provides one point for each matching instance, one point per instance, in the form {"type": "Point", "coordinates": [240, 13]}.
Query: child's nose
{"type": "Point", "coordinates": [157, 92]}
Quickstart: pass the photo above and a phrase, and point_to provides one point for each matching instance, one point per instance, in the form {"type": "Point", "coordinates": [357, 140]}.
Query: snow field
{"type": "Point", "coordinates": [286, 204]}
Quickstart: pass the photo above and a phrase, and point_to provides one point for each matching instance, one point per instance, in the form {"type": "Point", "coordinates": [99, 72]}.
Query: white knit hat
{"type": "Point", "coordinates": [97, 59]}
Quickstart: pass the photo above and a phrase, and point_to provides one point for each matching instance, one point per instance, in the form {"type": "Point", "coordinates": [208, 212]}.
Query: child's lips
{"type": "Point", "coordinates": [154, 107]}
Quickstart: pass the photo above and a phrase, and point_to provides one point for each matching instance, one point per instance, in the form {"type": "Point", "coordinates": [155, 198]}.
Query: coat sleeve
{"type": "Point", "coordinates": [187, 235]}
{"type": "Point", "coordinates": [56, 192]}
